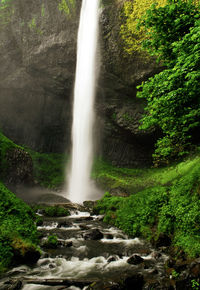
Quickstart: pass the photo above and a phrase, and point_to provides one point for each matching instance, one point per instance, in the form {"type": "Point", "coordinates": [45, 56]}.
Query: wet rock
{"type": "Point", "coordinates": [163, 241]}
{"type": "Point", "coordinates": [104, 285]}
{"type": "Point", "coordinates": [195, 268]}
{"type": "Point", "coordinates": [64, 224]}
{"type": "Point", "coordinates": [184, 284]}
{"type": "Point", "coordinates": [154, 271]}
{"type": "Point", "coordinates": [109, 236]}
{"type": "Point", "coordinates": [45, 255]}
{"type": "Point", "coordinates": [135, 260]}
{"type": "Point", "coordinates": [83, 227]}
{"type": "Point", "coordinates": [134, 282]}
{"type": "Point", "coordinates": [25, 254]}
{"type": "Point", "coordinates": [68, 244]}
{"type": "Point", "coordinates": [12, 285]}
{"type": "Point", "coordinates": [19, 167]}
{"type": "Point", "coordinates": [119, 191]}
{"type": "Point", "coordinates": [52, 266]}
{"type": "Point", "coordinates": [93, 234]}
{"type": "Point", "coordinates": [100, 218]}
{"type": "Point", "coordinates": [40, 211]}
{"type": "Point", "coordinates": [89, 204]}
{"type": "Point", "coordinates": [170, 263]}
{"type": "Point", "coordinates": [156, 255]}
{"type": "Point", "coordinates": [39, 222]}
{"type": "Point", "coordinates": [112, 259]}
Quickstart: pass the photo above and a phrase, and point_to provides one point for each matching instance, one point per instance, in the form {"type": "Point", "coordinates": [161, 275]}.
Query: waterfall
{"type": "Point", "coordinates": [79, 184]}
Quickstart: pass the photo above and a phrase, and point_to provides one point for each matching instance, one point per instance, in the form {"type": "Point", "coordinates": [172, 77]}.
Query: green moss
{"type": "Point", "coordinates": [52, 242]}
{"type": "Point", "coordinates": [49, 168]}
{"type": "Point", "coordinates": [52, 211]}
{"type": "Point", "coordinates": [67, 6]}
{"type": "Point", "coordinates": [16, 224]}
{"type": "Point", "coordinates": [6, 12]}
{"type": "Point", "coordinates": [134, 180]}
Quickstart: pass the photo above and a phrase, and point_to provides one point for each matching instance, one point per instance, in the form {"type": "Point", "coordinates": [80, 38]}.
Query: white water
{"type": "Point", "coordinates": [79, 188]}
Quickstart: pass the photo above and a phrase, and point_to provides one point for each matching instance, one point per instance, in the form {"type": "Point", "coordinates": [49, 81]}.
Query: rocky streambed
{"type": "Point", "coordinates": [89, 254]}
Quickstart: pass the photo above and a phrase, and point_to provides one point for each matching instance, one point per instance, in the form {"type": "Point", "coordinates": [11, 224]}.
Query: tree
{"type": "Point", "coordinates": [173, 96]}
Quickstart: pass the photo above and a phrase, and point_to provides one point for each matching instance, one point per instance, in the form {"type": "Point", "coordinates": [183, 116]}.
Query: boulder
{"type": "Point", "coordinates": [135, 260]}
{"type": "Point", "coordinates": [93, 234]}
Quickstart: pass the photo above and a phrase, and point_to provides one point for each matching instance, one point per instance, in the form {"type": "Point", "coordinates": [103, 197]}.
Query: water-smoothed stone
{"type": "Point", "coordinates": [64, 224]}
{"type": "Point", "coordinates": [109, 236]}
{"type": "Point", "coordinates": [83, 227]}
{"type": "Point", "coordinates": [112, 259]}
{"type": "Point", "coordinates": [12, 285]}
{"type": "Point", "coordinates": [156, 255]}
{"type": "Point", "coordinates": [93, 234]}
{"type": "Point", "coordinates": [135, 260]}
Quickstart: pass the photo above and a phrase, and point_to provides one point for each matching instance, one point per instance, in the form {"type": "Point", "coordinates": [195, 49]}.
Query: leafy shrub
{"type": "Point", "coordinates": [172, 95]}
{"type": "Point", "coordinates": [52, 242]}
{"type": "Point", "coordinates": [53, 211]}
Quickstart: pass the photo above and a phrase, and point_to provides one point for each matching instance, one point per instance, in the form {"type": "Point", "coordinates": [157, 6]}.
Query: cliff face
{"type": "Point", "coordinates": [38, 57]}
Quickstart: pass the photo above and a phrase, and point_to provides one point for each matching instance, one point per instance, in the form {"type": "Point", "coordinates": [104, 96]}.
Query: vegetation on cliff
{"type": "Point", "coordinates": [49, 168]}
{"type": "Point", "coordinates": [172, 34]}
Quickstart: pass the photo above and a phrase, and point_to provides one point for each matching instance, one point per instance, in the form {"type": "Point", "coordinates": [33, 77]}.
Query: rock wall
{"type": "Point", "coordinates": [38, 58]}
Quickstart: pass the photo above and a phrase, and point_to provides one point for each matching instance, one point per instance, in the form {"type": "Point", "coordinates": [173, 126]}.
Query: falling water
{"type": "Point", "coordinates": [83, 113]}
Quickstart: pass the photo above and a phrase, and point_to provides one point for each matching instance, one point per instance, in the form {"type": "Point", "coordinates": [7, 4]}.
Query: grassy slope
{"type": "Point", "coordinates": [134, 180]}
{"type": "Point", "coordinates": [168, 203]}
{"type": "Point", "coordinates": [18, 232]}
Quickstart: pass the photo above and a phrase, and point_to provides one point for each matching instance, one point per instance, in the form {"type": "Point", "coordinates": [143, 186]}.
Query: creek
{"type": "Point", "coordinates": [89, 251]}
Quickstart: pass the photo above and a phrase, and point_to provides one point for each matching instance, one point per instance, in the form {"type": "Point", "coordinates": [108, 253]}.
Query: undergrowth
{"type": "Point", "coordinates": [49, 168]}
{"type": "Point", "coordinates": [17, 228]}
{"type": "Point", "coordinates": [171, 206]}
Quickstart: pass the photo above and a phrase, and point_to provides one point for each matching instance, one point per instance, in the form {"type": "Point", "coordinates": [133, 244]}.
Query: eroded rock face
{"type": "Point", "coordinates": [19, 167]}
{"type": "Point", "coordinates": [38, 58]}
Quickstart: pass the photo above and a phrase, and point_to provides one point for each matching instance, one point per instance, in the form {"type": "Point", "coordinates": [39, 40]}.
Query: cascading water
{"type": "Point", "coordinates": [79, 187]}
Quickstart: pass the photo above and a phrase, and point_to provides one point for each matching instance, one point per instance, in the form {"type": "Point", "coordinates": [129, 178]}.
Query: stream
{"type": "Point", "coordinates": [89, 251]}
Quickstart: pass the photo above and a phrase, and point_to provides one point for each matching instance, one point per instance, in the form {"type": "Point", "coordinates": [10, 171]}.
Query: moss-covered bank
{"type": "Point", "coordinates": [18, 233]}
{"type": "Point", "coordinates": [169, 204]}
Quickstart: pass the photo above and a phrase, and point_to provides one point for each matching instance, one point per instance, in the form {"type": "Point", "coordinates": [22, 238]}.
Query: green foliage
{"type": "Point", "coordinates": [43, 10]}
{"type": "Point", "coordinates": [166, 25]}
{"type": "Point", "coordinates": [108, 204]}
{"type": "Point", "coordinates": [132, 11]}
{"type": "Point", "coordinates": [173, 102]}
{"type": "Point", "coordinates": [53, 211]}
{"type": "Point", "coordinates": [16, 223]}
{"type": "Point", "coordinates": [173, 209]}
{"type": "Point", "coordinates": [175, 274]}
{"type": "Point", "coordinates": [49, 168]}
{"type": "Point", "coordinates": [52, 242]}
{"type": "Point", "coordinates": [195, 284]}
{"type": "Point", "coordinates": [67, 6]}
{"type": "Point", "coordinates": [6, 11]}
{"type": "Point", "coordinates": [33, 25]}
{"type": "Point", "coordinates": [133, 180]}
